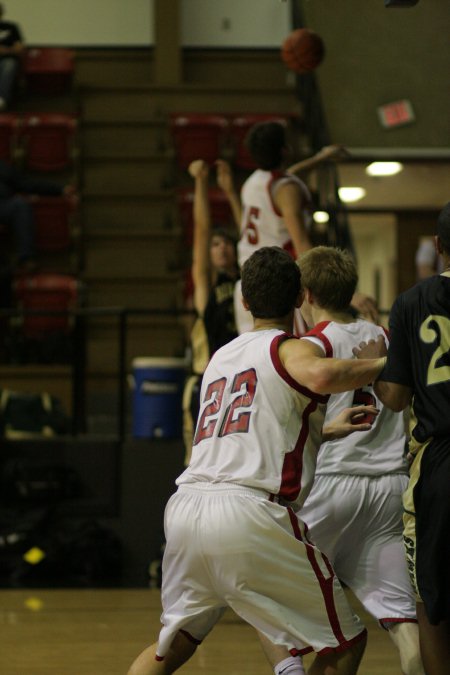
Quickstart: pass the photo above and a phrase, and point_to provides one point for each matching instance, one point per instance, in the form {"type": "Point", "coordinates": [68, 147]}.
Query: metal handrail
{"type": "Point", "coordinates": [78, 361]}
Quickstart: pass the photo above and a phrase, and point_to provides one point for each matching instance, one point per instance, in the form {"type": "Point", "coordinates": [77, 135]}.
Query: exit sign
{"type": "Point", "coordinates": [396, 114]}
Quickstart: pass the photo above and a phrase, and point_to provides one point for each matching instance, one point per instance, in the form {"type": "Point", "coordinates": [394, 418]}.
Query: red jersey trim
{"type": "Point", "coordinates": [325, 583]}
{"type": "Point", "coordinates": [190, 637]}
{"type": "Point", "coordinates": [291, 473]}
{"type": "Point", "coordinates": [328, 650]}
{"type": "Point", "coordinates": [282, 372]}
{"type": "Point", "coordinates": [317, 333]}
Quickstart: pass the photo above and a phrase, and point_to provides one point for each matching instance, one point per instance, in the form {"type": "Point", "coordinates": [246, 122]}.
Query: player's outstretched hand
{"type": "Point", "coordinates": [224, 176]}
{"type": "Point", "coordinates": [198, 169]}
{"type": "Point", "coordinates": [374, 349]}
{"type": "Point", "coordinates": [357, 418]}
{"type": "Point", "coordinates": [336, 152]}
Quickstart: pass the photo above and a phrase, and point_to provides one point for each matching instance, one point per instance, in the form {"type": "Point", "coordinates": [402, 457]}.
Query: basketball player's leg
{"type": "Point", "coordinates": [340, 663]}
{"type": "Point", "coordinates": [375, 567]}
{"type": "Point", "coordinates": [430, 552]}
{"type": "Point", "coordinates": [332, 663]}
{"type": "Point", "coordinates": [380, 580]}
{"type": "Point", "coordinates": [280, 659]}
{"type": "Point", "coordinates": [179, 652]}
{"type": "Point", "coordinates": [434, 643]}
{"type": "Point", "coordinates": [405, 636]}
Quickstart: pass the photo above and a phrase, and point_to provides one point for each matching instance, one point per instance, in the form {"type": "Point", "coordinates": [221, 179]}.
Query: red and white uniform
{"type": "Point", "coordinates": [262, 224]}
{"type": "Point", "coordinates": [273, 427]}
{"type": "Point", "coordinates": [230, 538]}
{"type": "Point", "coordinates": [354, 510]}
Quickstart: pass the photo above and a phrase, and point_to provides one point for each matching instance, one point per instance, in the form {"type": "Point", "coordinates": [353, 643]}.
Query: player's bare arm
{"type": "Point", "coordinates": [327, 153]}
{"type": "Point", "coordinates": [395, 396]}
{"type": "Point", "coordinates": [199, 171]}
{"type": "Point", "coordinates": [348, 421]}
{"type": "Point", "coordinates": [289, 201]}
{"type": "Point", "coordinates": [225, 181]}
{"type": "Point", "coordinates": [306, 363]}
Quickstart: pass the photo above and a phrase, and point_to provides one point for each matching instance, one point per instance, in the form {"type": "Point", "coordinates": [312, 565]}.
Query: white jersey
{"type": "Point", "coordinates": [262, 223]}
{"type": "Point", "coordinates": [369, 453]}
{"type": "Point", "coordinates": [257, 427]}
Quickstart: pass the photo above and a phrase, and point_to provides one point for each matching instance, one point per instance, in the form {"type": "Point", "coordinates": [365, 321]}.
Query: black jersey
{"type": "Point", "coordinates": [419, 353]}
{"type": "Point", "coordinates": [219, 313]}
{"type": "Point", "coordinates": [217, 327]}
{"type": "Point", "coordinates": [9, 34]}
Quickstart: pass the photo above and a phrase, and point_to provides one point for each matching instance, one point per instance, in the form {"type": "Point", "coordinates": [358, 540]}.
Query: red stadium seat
{"type": "Point", "coordinates": [46, 292]}
{"type": "Point", "coordinates": [240, 126]}
{"type": "Point", "coordinates": [9, 126]}
{"type": "Point", "coordinates": [48, 70]}
{"type": "Point", "coordinates": [48, 141]}
{"type": "Point", "coordinates": [53, 219]}
{"type": "Point", "coordinates": [197, 136]}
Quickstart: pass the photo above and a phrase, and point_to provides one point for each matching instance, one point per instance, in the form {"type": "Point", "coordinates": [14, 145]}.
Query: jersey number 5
{"type": "Point", "coordinates": [244, 384]}
{"type": "Point", "coordinates": [251, 228]}
{"type": "Point", "coordinates": [362, 397]}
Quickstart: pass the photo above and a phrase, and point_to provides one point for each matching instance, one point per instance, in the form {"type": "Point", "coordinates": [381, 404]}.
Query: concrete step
{"type": "Point", "coordinates": [151, 209]}
{"type": "Point", "coordinates": [144, 104]}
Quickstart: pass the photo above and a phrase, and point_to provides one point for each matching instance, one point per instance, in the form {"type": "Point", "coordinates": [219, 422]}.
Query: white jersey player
{"type": "Point", "coordinates": [232, 536]}
{"type": "Point", "coordinates": [231, 447]}
{"type": "Point", "coordinates": [276, 206]}
{"type": "Point", "coordinates": [264, 224]}
{"type": "Point", "coordinates": [354, 511]}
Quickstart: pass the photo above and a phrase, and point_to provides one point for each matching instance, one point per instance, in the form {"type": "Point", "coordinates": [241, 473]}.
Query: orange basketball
{"type": "Point", "coordinates": [302, 50]}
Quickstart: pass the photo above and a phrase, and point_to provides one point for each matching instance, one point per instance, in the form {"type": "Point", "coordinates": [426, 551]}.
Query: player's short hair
{"type": "Point", "coordinates": [331, 275]}
{"type": "Point", "coordinates": [270, 283]}
{"type": "Point", "coordinates": [266, 142]}
{"type": "Point", "coordinates": [443, 228]}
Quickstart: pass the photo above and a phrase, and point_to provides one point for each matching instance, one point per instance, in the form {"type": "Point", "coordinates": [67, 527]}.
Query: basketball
{"type": "Point", "coordinates": [303, 50]}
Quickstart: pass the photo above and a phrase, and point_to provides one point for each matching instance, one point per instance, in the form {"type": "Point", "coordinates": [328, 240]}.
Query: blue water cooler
{"type": "Point", "coordinates": [157, 397]}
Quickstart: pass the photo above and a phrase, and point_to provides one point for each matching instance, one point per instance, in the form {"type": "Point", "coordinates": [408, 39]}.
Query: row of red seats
{"type": "Point", "coordinates": [43, 141]}
{"type": "Point", "coordinates": [54, 221]}
{"type": "Point", "coordinates": [204, 136]}
{"type": "Point", "coordinates": [48, 70]}
{"type": "Point", "coordinates": [56, 293]}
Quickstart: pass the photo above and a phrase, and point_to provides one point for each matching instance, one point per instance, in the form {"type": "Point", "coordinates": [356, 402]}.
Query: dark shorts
{"type": "Point", "coordinates": [428, 541]}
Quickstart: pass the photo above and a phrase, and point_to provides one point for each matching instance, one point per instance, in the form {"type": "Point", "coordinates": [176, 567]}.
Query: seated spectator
{"type": "Point", "coordinates": [16, 212]}
{"type": "Point", "coordinates": [11, 46]}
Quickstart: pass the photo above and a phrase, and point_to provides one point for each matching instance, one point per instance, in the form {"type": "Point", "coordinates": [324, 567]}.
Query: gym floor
{"type": "Point", "coordinates": [100, 632]}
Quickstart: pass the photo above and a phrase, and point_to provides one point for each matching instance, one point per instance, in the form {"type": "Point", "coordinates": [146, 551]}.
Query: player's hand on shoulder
{"type": "Point", "coordinates": [373, 349]}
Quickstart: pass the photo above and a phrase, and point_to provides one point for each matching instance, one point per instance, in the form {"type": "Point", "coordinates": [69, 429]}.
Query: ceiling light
{"type": "Point", "coordinates": [384, 168]}
{"type": "Point", "coordinates": [321, 216]}
{"type": "Point", "coordinates": [351, 194]}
